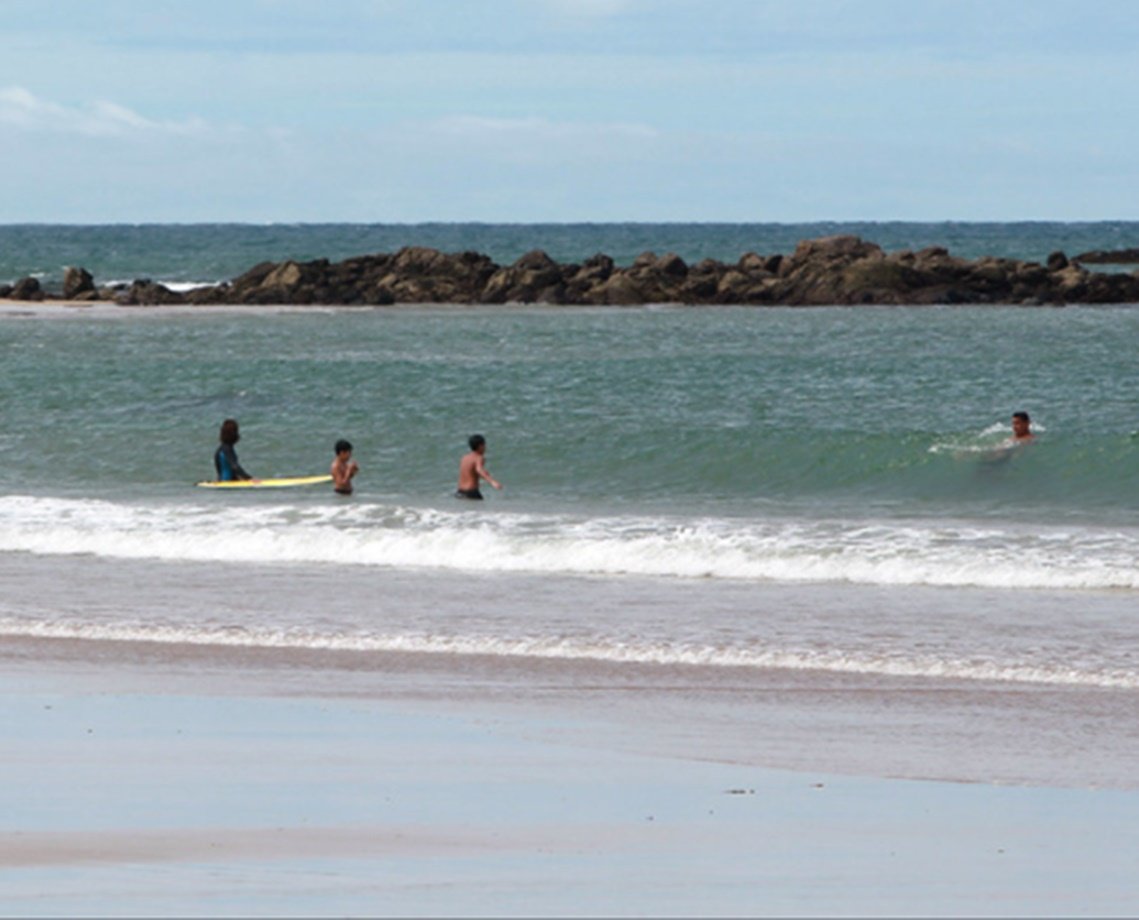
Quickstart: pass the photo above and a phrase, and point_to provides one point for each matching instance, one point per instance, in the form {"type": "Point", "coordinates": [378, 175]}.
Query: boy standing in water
{"type": "Point", "coordinates": [344, 468]}
{"type": "Point", "coordinates": [472, 468]}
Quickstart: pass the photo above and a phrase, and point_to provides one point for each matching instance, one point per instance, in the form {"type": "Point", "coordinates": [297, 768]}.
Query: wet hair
{"type": "Point", "coordinates": [342, 446]}
{"type": "Point", "coordinates": [476, 441]}
{"type": "Point", "coordinates": [229, 433]}
{"type": "Point", "coordinates": [1023, 416]}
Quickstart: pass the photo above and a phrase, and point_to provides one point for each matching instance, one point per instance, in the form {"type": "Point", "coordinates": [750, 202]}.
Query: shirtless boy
{"type": "Point", "coordinates": [343, 468]}
{"type": "Point", "coordinates": [472, 469]}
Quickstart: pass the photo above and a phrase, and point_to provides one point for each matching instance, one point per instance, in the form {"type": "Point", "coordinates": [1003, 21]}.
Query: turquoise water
{"type": "Point", "coordinates": [727, 412]}
{"type": "Point", "coordinates": [208, 253]}
{"type": "Point", "coordinates": [665, 441]}
{"type": "Point", "coordinates": [818, 492]}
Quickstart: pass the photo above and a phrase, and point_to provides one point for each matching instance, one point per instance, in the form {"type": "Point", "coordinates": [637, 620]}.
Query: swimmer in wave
{"type": "Point", "coordinates": [1021, 428]}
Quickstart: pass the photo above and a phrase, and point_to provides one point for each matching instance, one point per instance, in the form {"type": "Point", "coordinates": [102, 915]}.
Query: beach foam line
{"type": "Point", "coordinates": [597, 649]}
{"type": "Point", "coordinates": [930, 552]}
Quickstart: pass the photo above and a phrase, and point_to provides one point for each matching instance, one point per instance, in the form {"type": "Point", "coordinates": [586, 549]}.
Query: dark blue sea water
{"type": "Point", "coordinates": [208, 253]}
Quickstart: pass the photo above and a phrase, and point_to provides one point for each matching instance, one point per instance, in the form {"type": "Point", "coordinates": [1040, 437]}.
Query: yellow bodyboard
{"type": "Point", "coordinates": [279, 483]}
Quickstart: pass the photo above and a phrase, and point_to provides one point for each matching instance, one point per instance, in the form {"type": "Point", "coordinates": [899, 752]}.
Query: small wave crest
{"type": "Point", "coordinates": [996, 437]}
{"type": "Point", "coordinates": [599, 649]}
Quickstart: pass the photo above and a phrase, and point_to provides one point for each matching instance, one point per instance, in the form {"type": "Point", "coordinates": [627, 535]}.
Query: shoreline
{"type": "Point", "coordinates": [59, 309]}
{"type": "Point", "coordinates": [937, 729]}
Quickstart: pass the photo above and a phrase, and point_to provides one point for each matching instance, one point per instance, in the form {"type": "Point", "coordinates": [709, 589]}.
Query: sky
{"type": "Point", "coordinates": [406, 111]}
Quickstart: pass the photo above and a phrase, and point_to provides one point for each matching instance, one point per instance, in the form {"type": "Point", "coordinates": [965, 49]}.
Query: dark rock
{"type": "Point", "coordinates": [554, 294]}
{"type": "Point", "coordinates": [1070, 285]}
{"type": "Point", "coordinates": [254, 276]}
{"type": "Point", "coordinates": [379, 296]}
{"type": "Point", "coordinates": [76, 282]}
{"type": "Point", "coordinates": [598, 267]}
{"type": "Point", "coordinates": [1109, 256]}
{"type": "Point", "coordinates": [700, 288]}
{"type": "Point", "coordinates": [657, 280]}
{"type": "Point", "coordinates": [733, 286]}
{"type": "Point", "coordinates": [832, 270]}
{"type": "Point", "coordinates": [752, 264]}
{"type": "Point", "coordinates": [991, 276]}
{"type": "Point", "coordinates": [27, 289]}
{"type": "Point", "coordinates": [536, 261]}
{"type": "Point", "coordinates": [529, 278]}
{"type": "Point", "coordinates": [417, 274]}
{"type": "Point", "coordinates": [217, 294]}
{"type": "Point", "coordinates": [934, 267]}
{"type": "Point", "coordinates": [878, 280]}
{"type": "Point", "coordinates": [672, 266]}
{"type": "Point", "coordinates": [147, 293]}
{"type": "Point", "coordinates": [816, 273]}
{"type": "Point", "coordinates": [622, 290]}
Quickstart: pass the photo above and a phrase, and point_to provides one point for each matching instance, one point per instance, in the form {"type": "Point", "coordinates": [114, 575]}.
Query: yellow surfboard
{"type": "Point", "coordinates": [279, 483]}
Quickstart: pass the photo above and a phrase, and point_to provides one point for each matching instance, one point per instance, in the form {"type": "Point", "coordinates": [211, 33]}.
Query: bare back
{"type": "Point", "coordinates": [469, 469]}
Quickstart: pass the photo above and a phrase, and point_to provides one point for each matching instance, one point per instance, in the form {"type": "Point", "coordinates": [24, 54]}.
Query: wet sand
{"type": "Point", "coordinates": [130, 791]}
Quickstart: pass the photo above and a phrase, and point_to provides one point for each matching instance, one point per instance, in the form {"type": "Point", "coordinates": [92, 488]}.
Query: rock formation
{"type": "Point", "coordinates": [1108, 256]}
{"type": "Point", "coordinates": [832, 270]}
{"type": "Point", "coordinates": [78, 285]}
{"type": "Point", "coordinates": [26, 289]}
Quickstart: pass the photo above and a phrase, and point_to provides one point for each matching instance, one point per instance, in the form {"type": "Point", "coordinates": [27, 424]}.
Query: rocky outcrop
{"type": "Point", "coordinates": [831, 270]}
{"type": "Point", "coordinates": [147, 293]}
{"type": "Point", "coordinates": [78, 285]}
{"type": "Point", "coordinates": [415, 274]}
{"type": "Point", "coordinates": [534, 278]}
{"type": "Point", "coordinates": [26, 289]}
{"type": "Point", "coordinates": [1109, 256]}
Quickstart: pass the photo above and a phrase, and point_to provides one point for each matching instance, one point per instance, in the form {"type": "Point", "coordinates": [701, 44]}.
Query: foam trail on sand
{"type": "Point", "coordinates": [596, 648]}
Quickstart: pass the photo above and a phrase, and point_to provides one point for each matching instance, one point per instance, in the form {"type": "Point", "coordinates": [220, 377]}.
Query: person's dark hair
{"type": "Point", "coordinates": [229, 433]}
{"type": "Point", "coordinates": [476, 441]}
{"type": "Point", "coordinates": [342, 446]}
{"type": "Point", "coordinates": [1023, 416]}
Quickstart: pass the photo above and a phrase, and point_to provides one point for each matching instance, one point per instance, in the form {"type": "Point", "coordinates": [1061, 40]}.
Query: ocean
{"type": "Point", "coordinates": [718, 502]}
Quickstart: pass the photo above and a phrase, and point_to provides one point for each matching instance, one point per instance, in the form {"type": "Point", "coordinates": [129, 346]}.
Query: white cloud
{"type": "Point", "coordinates": [20, 108]}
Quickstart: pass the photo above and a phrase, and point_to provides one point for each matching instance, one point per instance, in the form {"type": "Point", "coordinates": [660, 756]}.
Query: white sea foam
{"type": "Point", "coordinates": [598, 649]}
{"type": "Point", "coordinates": [996, 437]}
{"type": "Point", "coordinates": [796, 550]}
{"type": "Point", "coordinates": [180, 287]}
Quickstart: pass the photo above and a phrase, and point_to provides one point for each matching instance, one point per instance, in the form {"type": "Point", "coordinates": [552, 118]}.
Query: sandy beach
{"type": "Point", "coordinates": [158, 787]}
